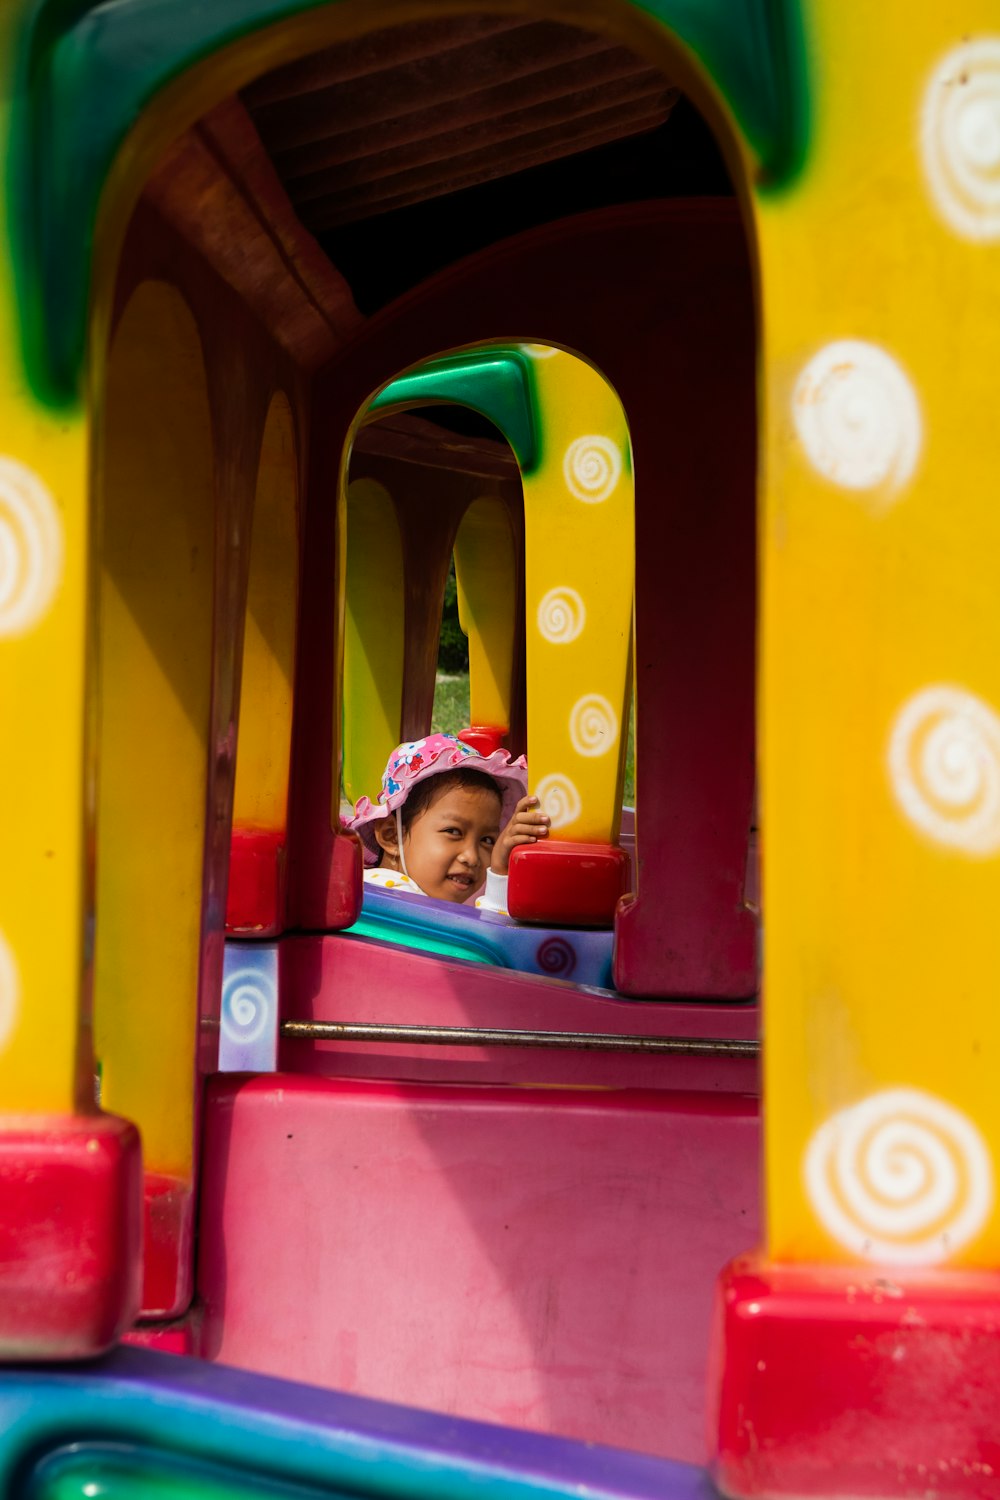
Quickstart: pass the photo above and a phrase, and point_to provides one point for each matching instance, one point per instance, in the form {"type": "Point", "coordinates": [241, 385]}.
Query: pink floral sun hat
{"type": "Point", "coordinates": [418, 760]}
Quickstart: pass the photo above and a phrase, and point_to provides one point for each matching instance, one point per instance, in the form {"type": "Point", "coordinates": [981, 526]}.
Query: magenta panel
{"type": "Point", "coordinates": [542, 1258]}
{"type": "Point", "coordinates": [348, 979]}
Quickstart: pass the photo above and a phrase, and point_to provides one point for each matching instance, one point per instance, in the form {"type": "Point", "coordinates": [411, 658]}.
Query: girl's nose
{"type": "Point", "coordinates": [470, 854]}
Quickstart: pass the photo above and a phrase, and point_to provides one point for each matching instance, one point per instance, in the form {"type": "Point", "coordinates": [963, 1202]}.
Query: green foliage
{"type": "Point", "coordinates": [453, 655]}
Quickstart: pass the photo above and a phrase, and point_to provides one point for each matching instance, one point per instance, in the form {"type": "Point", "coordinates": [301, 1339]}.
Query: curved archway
{"type": "Point", "coordinates": [155, 664]}
{"type": "Point", "coordinates": [569, 434]}
{"type": "Point", "coordinates": [751, 82]}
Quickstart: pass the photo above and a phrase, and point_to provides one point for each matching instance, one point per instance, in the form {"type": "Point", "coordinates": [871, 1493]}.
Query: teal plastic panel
{"type": "Point", "coordinates": [143, 1426]}
{"type": "Point", "coordinates": [105, 1471]}
{"type": "Point", "coordinates": [497, 382]}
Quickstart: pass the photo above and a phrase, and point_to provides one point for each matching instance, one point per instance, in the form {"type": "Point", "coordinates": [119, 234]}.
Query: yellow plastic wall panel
{"type": "Point", "coordinates": [155, 691]}
{"type": "Point", "coordinates": [486, 575]}
{"type": "Point", "coordinates": [373, 636]}
{"type": "Point", "coordinates": [579, 545]}
{"type": "Point", "coordinates": [45, 1064]}
{"type": "Point", "coordinates": [880, 708]}
{"type": "Point", "coordinates": [265, 726]}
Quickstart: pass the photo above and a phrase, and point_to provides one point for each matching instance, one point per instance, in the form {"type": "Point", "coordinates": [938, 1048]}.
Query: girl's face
{"type": "Point", "coordinates": [449, 845]}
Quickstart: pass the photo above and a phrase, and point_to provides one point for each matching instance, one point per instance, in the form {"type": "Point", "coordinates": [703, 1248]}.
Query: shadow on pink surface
{"type": "Point", "coordinates": [542, 1257]}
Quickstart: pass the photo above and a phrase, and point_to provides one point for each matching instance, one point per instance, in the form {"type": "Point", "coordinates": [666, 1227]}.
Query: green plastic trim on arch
{"type": "Point", "coordinates": [86, 69]}
{"type": "Point", "coordinates": [494, 380]}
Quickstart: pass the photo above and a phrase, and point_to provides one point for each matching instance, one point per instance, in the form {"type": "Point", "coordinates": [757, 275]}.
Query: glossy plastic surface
{"type": "Point", "coordinates": [540, 1257]}
{"type": "Point", "coordinates": [155, 1417]}
{"type": "Point", "coordinates": [855, 1382]}
{"type": "Point", "coordinates": [255, 896]}
{"type": "Point", "coordinates": [70, 1227]}
{"type": "Point", "coordinates": [343, 978]}
{"type": "Point", "coordinates": [565, 884]}
{"type": "Point", "coordinates": [374, 636]}
{"type": "Point", "coordinates": [485, 937]}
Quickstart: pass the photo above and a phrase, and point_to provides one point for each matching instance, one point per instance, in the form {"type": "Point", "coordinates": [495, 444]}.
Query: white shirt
{"type": "Point", "coordinates": [494, 897]}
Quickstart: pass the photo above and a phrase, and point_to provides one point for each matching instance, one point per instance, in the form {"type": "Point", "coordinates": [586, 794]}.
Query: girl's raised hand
{"type": "Point", "coordinates": [527, 825]}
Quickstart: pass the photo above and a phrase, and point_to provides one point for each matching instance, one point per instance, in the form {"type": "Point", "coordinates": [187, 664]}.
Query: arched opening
{"type": "Point", "coordinates": [157, 579]}
{"type": "Point", "coordinates": [566, 426]}
{"type": "Point", "coordinates": [591, 1142]}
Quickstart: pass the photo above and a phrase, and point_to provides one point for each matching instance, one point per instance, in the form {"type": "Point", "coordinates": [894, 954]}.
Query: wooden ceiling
{"type": "Point", "coordinates": [423, 110]}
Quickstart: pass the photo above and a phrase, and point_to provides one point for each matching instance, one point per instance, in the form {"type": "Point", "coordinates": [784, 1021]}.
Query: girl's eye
{"type": "Point", "coordinates": [489, 840]}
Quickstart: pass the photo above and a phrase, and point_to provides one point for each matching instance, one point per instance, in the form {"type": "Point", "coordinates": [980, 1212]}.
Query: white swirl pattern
{"type": "Point", "coordinates": [960, 138]}
{"type": "Point", "coordinates": [559, 799]}
{"type": "Point", "coordinates": [10, 992]}
{"type": "Point", "coordinates": [248, 1006]}
{"type": "Point", "coordinates": [562, 615]}
{"type": "Point", "coordinates": [944, 766]}
{"type": "Point", "coordinates": [592, 468]}
{"type": "Point", "coordinates": [31, 548]}
{"type": "Point", "coordinates": [857, 416]}
{"type": "Point", "coordinates": [593, 726]}
{"type": "Point", "coordinates": [900, 1178]}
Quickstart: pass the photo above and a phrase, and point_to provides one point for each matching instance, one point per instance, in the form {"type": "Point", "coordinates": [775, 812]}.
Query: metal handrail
{"type": "Point", "coordinates": [487, 1036]}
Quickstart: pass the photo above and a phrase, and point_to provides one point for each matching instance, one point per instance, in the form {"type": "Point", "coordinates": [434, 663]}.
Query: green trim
{"type": "Point", "coordinates": [496, 381]}
{"type": "Point", "coordinates": [146, 1473]}
{"type": "Point", "coordinates": [412, 935]}
{"type": "Point", "coordinates": [754, 52]}
{"type": "Point", "coordinates": [87, 69]}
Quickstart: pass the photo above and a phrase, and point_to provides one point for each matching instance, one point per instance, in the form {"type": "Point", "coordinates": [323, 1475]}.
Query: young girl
{"type": "Point", "coordinates": [446, 818]}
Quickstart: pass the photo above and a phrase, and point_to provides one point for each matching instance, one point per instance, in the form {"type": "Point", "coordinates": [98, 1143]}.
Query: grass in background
{"type": "Point", "coordinates": [451, 703]}
{"type": "Point", "coordinates": [451, 713]}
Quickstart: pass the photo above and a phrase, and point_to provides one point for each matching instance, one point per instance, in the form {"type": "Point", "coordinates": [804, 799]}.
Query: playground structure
{"type": "Point", "coordinates": [501, 1172]}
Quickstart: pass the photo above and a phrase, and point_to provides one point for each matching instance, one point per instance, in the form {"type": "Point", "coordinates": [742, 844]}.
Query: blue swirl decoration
{"type": "Point", "coordinates": [249, 1005]}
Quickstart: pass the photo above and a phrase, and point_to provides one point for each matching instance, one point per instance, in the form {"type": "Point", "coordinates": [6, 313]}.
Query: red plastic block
{"type": "Point", "coordinates": [344, 883]}
{"type": "Point", "coordinates": [182, 1336]}
{"type": "Point", "coordinates": [256, 897]}
{"type": "Point", "coordinates": [834, 1381]}
{"type": "Point", "coordinates": [484, 737]}
{"type": "Point", "coordinates": [566, 885]}
{"type": "Point", "coordinates": [70, 1234]}
{"type": "Point", "coordinates": [168, 1270]}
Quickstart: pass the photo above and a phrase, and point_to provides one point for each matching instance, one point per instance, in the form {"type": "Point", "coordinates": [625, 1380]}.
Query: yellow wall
{"type": "Point", "coordinates": [486, 575]}
{"type": "Point", "coordinates": [373, 636]}
{"type": "Point", "coordinates": [156, 591]}
{"type": "Point", "coordinates": [45, 1062]}
{"type": "Point", "coordinates": [579, 551]}
{"type": "Point", "coordinates": [265, 723]}
{"type": "Point", "coordinates": [880, 688]}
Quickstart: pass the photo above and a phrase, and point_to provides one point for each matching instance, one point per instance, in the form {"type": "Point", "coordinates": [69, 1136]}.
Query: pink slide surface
{"type": "Point", "coordinates": [538, 1257]}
